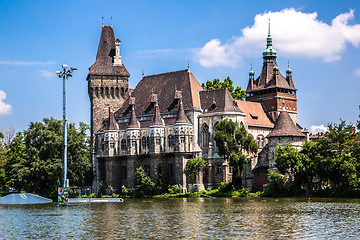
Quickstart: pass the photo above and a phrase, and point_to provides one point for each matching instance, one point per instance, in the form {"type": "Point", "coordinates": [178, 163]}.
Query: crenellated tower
{"type": "Point", "coordinates": [271, 88]}
{"type": "Point", "coordinates": [108, 80]}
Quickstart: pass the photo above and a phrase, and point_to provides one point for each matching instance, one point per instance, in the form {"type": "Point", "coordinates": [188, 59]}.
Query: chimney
{"type": "Point", "coordinates": [117, 57]}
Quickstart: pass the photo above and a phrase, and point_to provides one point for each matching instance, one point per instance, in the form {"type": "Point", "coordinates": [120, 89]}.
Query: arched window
{"type": "Point", "coordinates": [260, 141]}
{"type": "Point", "coordinates": [122, 92]}
{"type": "Point", "coordinates": [205, 135]}
{"type": "Point", "coordinates": [123, 144]}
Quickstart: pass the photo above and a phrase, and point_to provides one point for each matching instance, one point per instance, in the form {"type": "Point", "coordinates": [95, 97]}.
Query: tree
{"type": "Point", "coordinates": [145, 186]}
{"type": "Point", "coordinates": [332, 161]}
{"type": "Point", "coordinates": [237, 93]}
{"type": "Point", "coordinates": [194, 166]}
{"type": "Point", "coordinates": [6, 135]}
{"type": "Point", "coordinates": [233, 143]}
{"type": "Point", "coordinates": [35, 157]}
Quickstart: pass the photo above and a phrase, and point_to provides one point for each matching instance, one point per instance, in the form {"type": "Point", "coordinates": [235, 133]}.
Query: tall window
{"type": "Point", "coordinates": [170, 141]}
{"type": "Point", "coordinates": [260, 141]}
{"type": "Point", "coordinates": [205, 135]}
{"type": "Point", "coordinates": [143, 142]}
{"type": "Point", "coordinates": [123, 145]}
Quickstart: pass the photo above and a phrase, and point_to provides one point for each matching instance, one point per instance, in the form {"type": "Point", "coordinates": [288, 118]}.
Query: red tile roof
{"type": "Point", "coordinates": [255, 114]}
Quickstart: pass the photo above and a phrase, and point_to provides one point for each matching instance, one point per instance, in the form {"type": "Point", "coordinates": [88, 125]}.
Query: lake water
{"type": "Point", "coordinates": [192, 218]}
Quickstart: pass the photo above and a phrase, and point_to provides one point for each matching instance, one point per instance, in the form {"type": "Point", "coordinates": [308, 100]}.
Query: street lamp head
{"type": "Point", "coordinates": [58, 72]}
{"type": "Point", "coordinates": [73, 68]}
{"type": "Point", "coordinates": [64, 65]}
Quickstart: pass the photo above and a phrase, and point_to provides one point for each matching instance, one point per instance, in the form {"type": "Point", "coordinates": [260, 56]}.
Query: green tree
{"type": "Point", "coordinates": [332, 161]}
{"type": "Point", "coordinates": [234, 143]}
{"type": "Point", "coordinates": [35, 157]}
{"type": "Point", "coordinates": [237, 93]}
{"type": "Point", "coordinates": [145, 186]}
{"type": "Point", "coordinates": [194, 166]}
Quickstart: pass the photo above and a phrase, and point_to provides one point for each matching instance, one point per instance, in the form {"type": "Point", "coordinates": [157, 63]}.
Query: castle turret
{"type": "Point", "coordinates": [182, 131]}
{"type": "Point", "coordinates": [107, 80]}
{"type": "Point", "coordinates": [111, 135]}
{"type": "Point", "coordinates": [133, 131]}
{"type": "Point", "coordinates": [157, 131]}
{"type": "Point", "coordinates": [271, 86]}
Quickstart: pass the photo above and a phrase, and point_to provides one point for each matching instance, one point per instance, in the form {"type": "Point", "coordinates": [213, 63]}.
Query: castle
{"type": "Point", "coordinates": [169, 118]}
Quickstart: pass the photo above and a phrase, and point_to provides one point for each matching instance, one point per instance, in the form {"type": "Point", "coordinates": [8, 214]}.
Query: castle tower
{"type": "Point", "coordinates": [107, 80]}
{"type": "Point", "coordinates": [271, 87]}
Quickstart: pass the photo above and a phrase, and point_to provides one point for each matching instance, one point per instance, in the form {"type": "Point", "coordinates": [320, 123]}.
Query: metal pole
{"type": "Point", "coordinates": [65, 132]}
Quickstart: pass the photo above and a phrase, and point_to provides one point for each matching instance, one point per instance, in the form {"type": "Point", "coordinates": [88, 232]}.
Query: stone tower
{"type": "Point", "coordinates": [108, 80]}
{"type": "Point", "coordinates": [271, 88]}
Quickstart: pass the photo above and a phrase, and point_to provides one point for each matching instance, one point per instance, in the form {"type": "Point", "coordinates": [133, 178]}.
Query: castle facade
{"type": "Point", "coordinates": [169, 118]}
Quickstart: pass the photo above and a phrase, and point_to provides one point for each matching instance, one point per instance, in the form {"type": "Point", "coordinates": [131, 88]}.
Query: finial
{"type": "Point", "coordinates": [103, 21]}
{"type": "Point", "coordinates": [288, 63]}
{"type": "Point", "coordinates": [111, 21]}
{"type": "Point", "coordinates": [269, 27]}
{"type": "Point", "coordinates": [143, 72]}
{"type": "Point", "coordinates": [188, 65]}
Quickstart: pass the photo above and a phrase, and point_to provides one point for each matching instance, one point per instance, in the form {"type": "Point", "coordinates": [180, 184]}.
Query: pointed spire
{"type": "Point", "coordinates": [181, 117]}
{"type": "Point", "coordinates": [133, 123]}
{"type": "Point", "coordinates": [157, 120]}
{"type": "Point", "coordinates": [251, 73]}
{"type": "Point", "coordinates": [288, 70]}
{"type": "Point", "coordinates": [269, 54]}
{"type": "Point", "coordinates": [112, 125]}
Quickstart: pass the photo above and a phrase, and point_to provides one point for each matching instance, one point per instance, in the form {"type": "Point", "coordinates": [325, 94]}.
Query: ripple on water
{"type": "Point", "coordinates": [221, 218]}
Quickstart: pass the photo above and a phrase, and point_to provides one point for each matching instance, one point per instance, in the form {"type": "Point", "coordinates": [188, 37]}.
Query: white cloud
{"type": "Point", "coordinates": [357, 72]}
{"type": "Point", "coordinates": [25, 63]}
{"type": "Point", "coordinates": [317, 129]}
{"type": "Point", "coordinates": [294, 34]}
{"type": "Point", "coordinates": [46, 74]}
{"type": "Point", "coordinates": [4, 107]}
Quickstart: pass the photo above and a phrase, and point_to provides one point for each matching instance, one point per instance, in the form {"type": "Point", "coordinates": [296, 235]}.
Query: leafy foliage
{"type": "Point", "coordinates": [333, 161]}
{"type": "Point", "coordinates": [237, 93]}
{"type": "Point", "coordinates": [194, 166]}
{"type": "Point", "coordinates": [233, 142]}
{"type": "Point", "coordinates": [34, 159]}
{"type": "Point", "coordinates": [145, 186]}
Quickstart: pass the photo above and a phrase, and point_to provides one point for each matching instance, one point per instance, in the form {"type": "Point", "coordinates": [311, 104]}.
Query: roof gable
{"type": "Point", "coordinates": [165, 87]}
{"type": "Point", "coordinates": [218, 100]}
{"type": "Point", "coordinates": [285, 127]}
{"type": "Point", "coordinates": [255, 113]}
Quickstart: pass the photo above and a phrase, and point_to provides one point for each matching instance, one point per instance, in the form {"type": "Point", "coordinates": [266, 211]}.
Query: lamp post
{"type": "Point", "coordinates": [64, 74]}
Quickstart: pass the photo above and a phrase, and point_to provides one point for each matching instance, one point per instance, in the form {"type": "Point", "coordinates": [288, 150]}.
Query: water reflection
{"type": "Point", "coordinates": [193, 218]}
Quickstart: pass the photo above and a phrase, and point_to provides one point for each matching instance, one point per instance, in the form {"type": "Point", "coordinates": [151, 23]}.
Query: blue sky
{"type": "Point", "coordinates": [321, 39]}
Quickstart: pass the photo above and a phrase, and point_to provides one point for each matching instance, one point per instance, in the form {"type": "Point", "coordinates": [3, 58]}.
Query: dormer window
{"type": "Point", "coordinates": [254, 117]}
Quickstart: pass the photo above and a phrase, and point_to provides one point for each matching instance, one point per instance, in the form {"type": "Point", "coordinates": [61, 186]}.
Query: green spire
{"type": "Point", "coordinates": [269, 51]}
{"type": "Point", "coordinates": [251, 73]}
{"type": "Point", "coordinates": [288, 70]}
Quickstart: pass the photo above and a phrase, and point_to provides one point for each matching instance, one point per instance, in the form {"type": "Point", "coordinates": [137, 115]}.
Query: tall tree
{"type": "Point", "coordinates": [234, 143]}
{"type": "Point", "coordinates": [237, 93]}
{"type": "Point", "coordinates": [35, 157]}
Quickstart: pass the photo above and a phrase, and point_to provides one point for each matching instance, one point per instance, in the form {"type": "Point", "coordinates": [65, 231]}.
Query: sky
{"type": "Point", "coordinates": [319, 39]}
